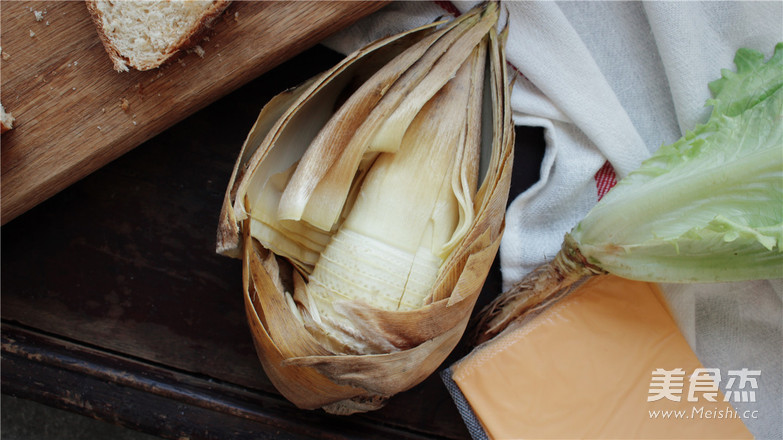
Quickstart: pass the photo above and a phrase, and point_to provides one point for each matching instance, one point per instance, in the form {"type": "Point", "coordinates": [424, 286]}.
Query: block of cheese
{"type": "Point", "coordinates": [608, 361]}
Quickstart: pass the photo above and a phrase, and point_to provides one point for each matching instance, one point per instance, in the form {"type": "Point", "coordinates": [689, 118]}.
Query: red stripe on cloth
{"type": "Point", "coordinates": [605, 179]}
{"type": "Point", "coordinates": [448, 7]}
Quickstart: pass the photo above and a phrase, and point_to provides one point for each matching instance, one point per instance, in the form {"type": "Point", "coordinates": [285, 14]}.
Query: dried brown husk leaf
{"type": "Point", "coordinates": [404, 346]}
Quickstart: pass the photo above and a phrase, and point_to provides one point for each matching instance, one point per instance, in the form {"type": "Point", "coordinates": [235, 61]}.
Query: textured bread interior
{"type": "Point", "coordinates": [145, 32]}
{"type": "Point", "coordinates": [6, 120]}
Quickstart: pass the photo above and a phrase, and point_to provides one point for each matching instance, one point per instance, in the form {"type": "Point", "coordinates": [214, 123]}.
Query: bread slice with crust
{"type": "Point", "coordinates": [6, 120]}
{"type": "Point", "coordinates": [143, 34]}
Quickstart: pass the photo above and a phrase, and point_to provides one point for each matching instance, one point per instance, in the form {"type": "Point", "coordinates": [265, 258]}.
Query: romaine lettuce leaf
{"type": "Point", "coordinates": [708, 207]}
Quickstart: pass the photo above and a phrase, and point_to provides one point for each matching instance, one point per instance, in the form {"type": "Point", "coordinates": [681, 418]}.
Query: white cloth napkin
{"type": "Point", "coordinates": [613, 81]}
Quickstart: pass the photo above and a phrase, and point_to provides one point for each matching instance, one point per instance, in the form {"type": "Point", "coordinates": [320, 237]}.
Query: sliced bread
{"type": "Point", "coordinates": [143, 34]}
{"type": "Point", "coordinates": [6, 120]}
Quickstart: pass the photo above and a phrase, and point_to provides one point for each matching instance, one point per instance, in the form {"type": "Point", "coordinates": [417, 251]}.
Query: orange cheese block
{"type": "Point", "coordinates": [606, 362]}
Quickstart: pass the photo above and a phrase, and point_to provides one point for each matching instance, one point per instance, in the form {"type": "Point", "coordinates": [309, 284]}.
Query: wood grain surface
{"type": "Point", "coordinates": [59, 84]}
{"type": "Point", "coordinates": [115, 305]}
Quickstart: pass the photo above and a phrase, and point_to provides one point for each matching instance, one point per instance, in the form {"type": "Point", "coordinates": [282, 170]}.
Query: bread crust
{"type": "Point", "coordinates": [189, 39]}
{"type": "Point", "coordinates": [6, 120]}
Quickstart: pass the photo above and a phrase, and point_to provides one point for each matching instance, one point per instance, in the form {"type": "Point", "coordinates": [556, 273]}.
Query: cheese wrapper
{"type": "Point", "coordinates": [606, 362]}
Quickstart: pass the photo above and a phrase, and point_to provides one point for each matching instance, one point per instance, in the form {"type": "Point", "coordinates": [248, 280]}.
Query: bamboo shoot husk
{"type": "Point", "coordinates": [305, 171]}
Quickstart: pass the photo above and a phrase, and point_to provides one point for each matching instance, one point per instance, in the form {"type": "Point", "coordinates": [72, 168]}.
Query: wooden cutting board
{"type": "Point", "coordinates": [60, 86]}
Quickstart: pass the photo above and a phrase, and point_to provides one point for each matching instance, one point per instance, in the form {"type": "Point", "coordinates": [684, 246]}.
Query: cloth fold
{"type": "Point", "coordinates": [612, 82]}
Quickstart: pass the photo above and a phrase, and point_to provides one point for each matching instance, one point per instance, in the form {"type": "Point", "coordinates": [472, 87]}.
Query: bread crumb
{"type": "Point", "coordinates": [236, 16]}
{"type": "Point", "coordinates": [124, 105]}
{"type": "Point", "coordinates": [47, 22]}
{"type": "Point", "coordinates": [39, 15]}
{"type": "Point", "coordinates": [134, 123]}
{"type": "Point", "coordinates": [199, 51]}
{"type": "Point", "coordinates": [140, 90]}
{"type": "Point", "coordinates": [75, 63]}
{"type": "Point", "coordinates": [99, 128]}
{"type": "Point", "coordinates": [32, 34]}
{"type": "Point", "coordinates": [6, 56]}
{"type": "Point", "coordinates": [6, 120]}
